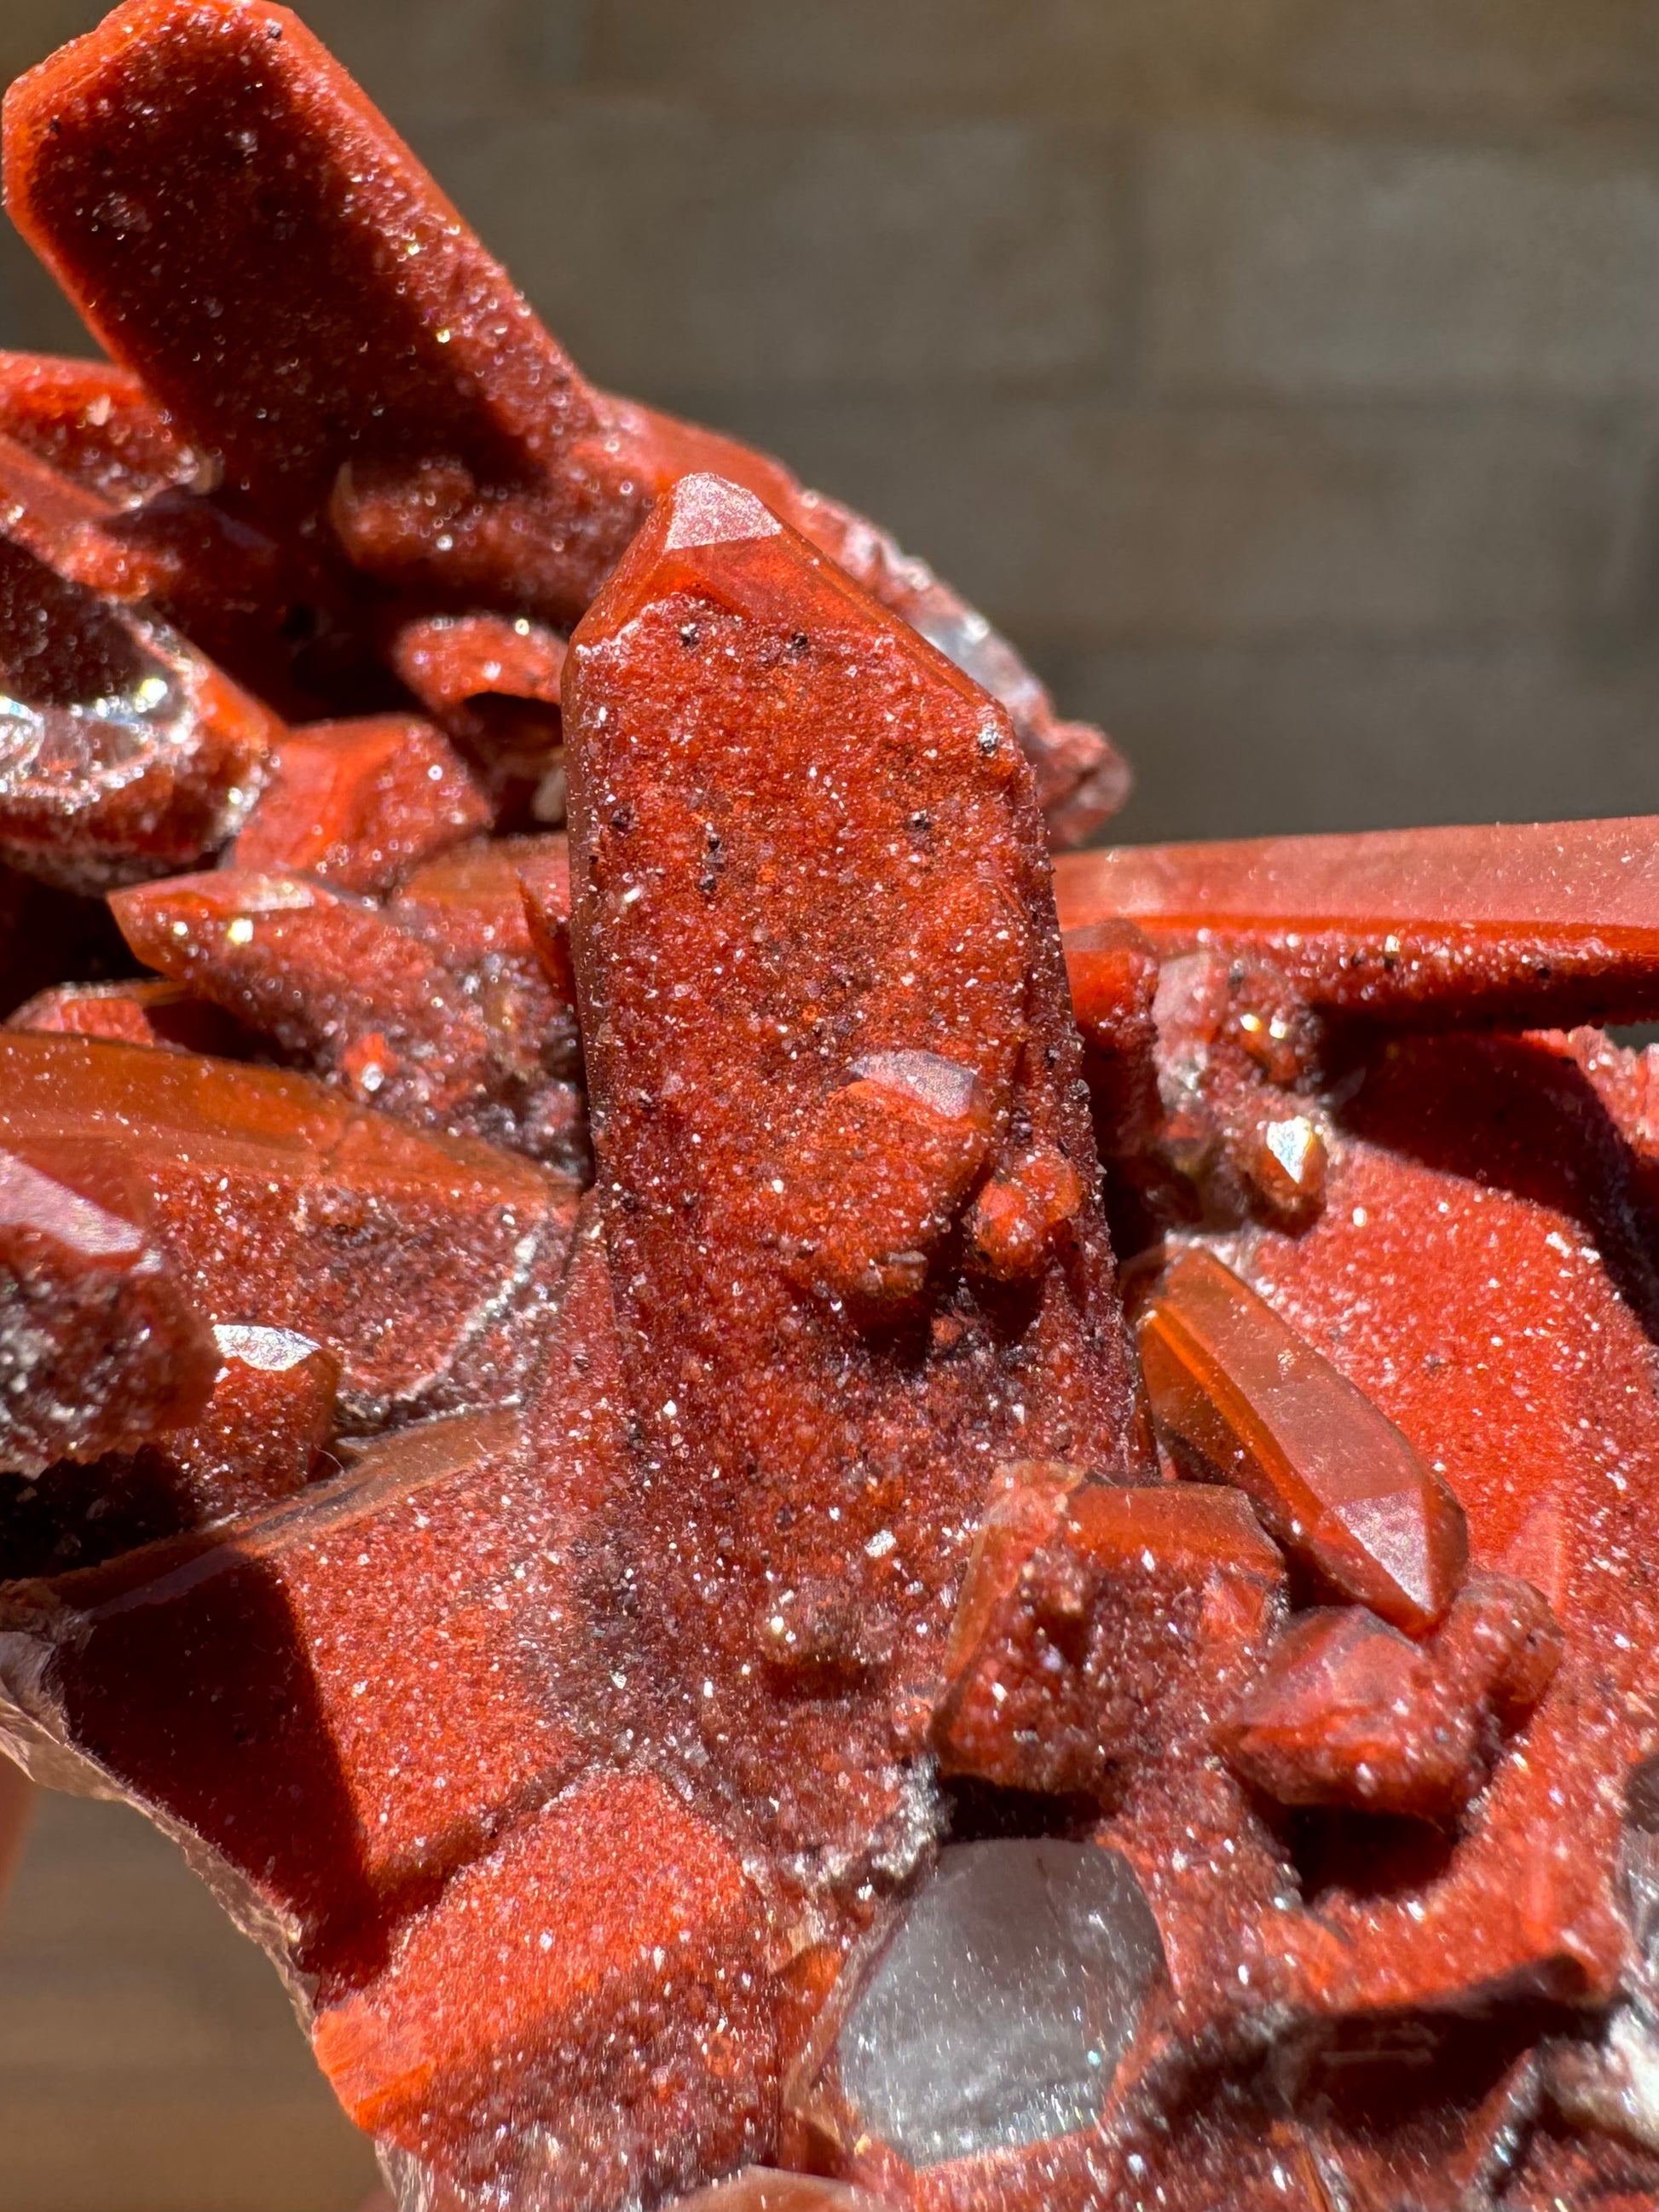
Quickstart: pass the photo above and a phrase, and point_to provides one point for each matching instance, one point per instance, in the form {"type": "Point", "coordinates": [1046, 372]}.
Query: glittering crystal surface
{"type": "Point", "coordinates": [1248, 1402]}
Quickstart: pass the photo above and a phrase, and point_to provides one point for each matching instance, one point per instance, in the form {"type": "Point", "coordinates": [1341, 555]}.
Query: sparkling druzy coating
{"type": "Point", "coordinates": [459, 454]}
{"type": "Point", "coordinates": [798, 1074]}
{"type": "Point", "coordinates": [567, 1426]}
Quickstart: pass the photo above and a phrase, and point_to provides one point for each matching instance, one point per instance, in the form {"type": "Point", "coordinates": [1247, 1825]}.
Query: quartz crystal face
{"type": "Point", "coordinates": [999, 2011]}
{"type": "Point", "coordinates": [571, 1424]}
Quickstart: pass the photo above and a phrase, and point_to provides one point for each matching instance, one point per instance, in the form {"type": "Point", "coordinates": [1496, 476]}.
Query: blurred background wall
{"type": "Point", "coordinates": [1283, 374]}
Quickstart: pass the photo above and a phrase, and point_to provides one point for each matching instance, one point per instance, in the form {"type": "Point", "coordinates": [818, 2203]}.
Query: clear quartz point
{"type": "Point", "coordinates": [998, 2011]}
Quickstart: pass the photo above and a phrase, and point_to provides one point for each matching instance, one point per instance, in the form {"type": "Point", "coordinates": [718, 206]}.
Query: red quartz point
{"type": "Point", "coordinates": [222, 128]}
{"type": "Point", "coordinates": [277, 1201]}
{"type": "Point", "coordinates": [1242, 1399]}
{"type": "Point", "coordinates": [881, 1175]}
{"type": "Point", "coordinates": [412, 395]}
{"type": "Point", "coordinates": [1474, 1273]}
{"type": "Point", "coordinates": [343, 1693]}
{"type": "Point", "coordinates": [350, 993]}
{"type": "Point", "coordinates": [702, 1676]}
{"type": "Point", "coordinates": [261, 1435]}
{"type": "Point", "coordinates": [96, 424]}
{"type": "Point", "coordinates": [1025, 1505]}
{"type": "Point", "coordinates": [125, 752]}
{"type": "Point", "coordinates": [1508, 925]}
{"type": "Point", "coordinates": [617, 1903]}
{"type": "Point", "coordinates": [99, 1343]}
{"type": "Point", "coordinates": [161, 1014]}
{"type": "Point", "coordinates": [1350, 1712]}
{"type": "Point", "coordinates": [327, 975]}
{"type": "Point", "coordinates": [261, 1432]}
{"type": "Point", "coordinates": [361, 804]}
{"type": "Point", "coordinates": [815, 929]}
{"type": "Point", "coordinates": [1059, 1666]}
{"type": "Point", "coordinates": [67, 525]}
{"type": "Point", "coordinates": [454, 660]}
{"type": "Point", "coordinates": [195, 567]}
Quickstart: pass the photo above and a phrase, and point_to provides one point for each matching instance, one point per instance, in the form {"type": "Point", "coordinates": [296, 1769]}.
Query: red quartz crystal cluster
{"type": "Point", "coordinates": [572, 1428]}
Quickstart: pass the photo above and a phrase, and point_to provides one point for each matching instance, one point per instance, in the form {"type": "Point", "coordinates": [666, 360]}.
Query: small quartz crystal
{"type": "Point", "coordinates": [999, 2011]}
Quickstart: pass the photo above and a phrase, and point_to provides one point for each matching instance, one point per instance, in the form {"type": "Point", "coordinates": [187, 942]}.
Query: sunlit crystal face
{"type": "Point", "coordinates": [998, 2011]}
{"type": "Point", "coordinates": [84, 696]}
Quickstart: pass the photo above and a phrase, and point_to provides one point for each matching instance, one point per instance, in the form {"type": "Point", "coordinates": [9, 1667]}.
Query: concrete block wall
{"type": "Point", "coordinates": [1283, 374]}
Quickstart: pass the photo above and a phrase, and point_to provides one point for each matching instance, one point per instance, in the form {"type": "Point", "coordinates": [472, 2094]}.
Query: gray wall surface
{"type": "Point", "coordinates": [1284, 375]}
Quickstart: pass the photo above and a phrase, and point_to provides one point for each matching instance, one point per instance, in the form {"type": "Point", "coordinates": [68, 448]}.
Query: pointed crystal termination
{"type": "Point", "coordinates": [66, 525]}
{"type": "Point", "coordinates": [230, 127]}
{"type": "Point", "coordinates": [1241, 1398]}
{"type": "Point", "coordinates": [412, 397]}
{"type": "Point", "coordinates": [1350, 1712]}
{"type": "Point", "coordinates": [1516, 926]}
{"type": "Point", "coordinates": [360, 803]}
{"type": "Point", "coordinates": [96, 424]}
{"type": "Point", "coordinates": [817, 954]}
{"type": "Point", "coordinates": [164, 1015]}
{"type": "Point", "coordinates": [99, 1341]}
{"type": "Point", "coordinates": [123, 753]}
{"type": "Point", "coordinates": [998, 2013]}
{"type": "Point", "coordinates": [327, 977]}
{"type": "Point", "coordinates": [277, 1201]}
{"type": "Point", "coordinates": [261, 1435]}
{"type": "Point", "coordinates": [364, 1001]}
{"type": "Point", "coordinates": [880, 1178]}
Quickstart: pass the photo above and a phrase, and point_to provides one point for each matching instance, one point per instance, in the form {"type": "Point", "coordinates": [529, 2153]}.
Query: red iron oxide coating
{"type": "Point", "coordinates": [1350, 1712]}
{"type": "Point", "coordinates": [1239, 1399]}
{"type": "Point", "coordinates": [460, 453]}
{"type": "Point", "coordinates": [277, 1201]}
{"type": "Point", "coordinates": [160, 1014]}
{"type": "Point", "coordinates": [799, 1350]}
{"type": "Point", "coordinates": [1549, 922]}
{"type": "Point", "coordinates": [96, 424]}
{"type": "Point", "coordinates": [360, 803]}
